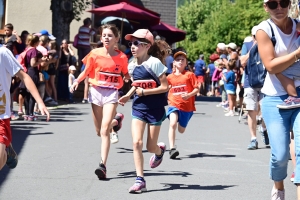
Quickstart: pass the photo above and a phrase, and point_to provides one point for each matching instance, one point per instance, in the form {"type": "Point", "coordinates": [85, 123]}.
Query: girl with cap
{"type": "Point", "coordinates": [150, 86]}
{"type": "Point", "coordinates": [104, 67]}
{"type": "Point", "coordinates": [277, 59]}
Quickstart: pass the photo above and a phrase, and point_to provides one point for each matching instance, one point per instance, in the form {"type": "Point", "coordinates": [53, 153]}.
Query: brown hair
{"type": "Point", "coordinates": [32, 40]}
{"type": "Point", "coordinates": [44, 39]}
{"type": "Point", "coordinates": [231, 64]}
{"type": "Point", "coordinates": [9, 26]}
{"type": "Point", "coordinates": [53, 45]}
{"type": "Point", "coordinates": [159, 49]}
{"type": "Point", "coordinates": [112, 27]}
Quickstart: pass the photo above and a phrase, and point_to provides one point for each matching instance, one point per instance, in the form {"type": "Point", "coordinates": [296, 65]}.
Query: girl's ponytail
{"type": "Point", "coordinates": [160, 49]}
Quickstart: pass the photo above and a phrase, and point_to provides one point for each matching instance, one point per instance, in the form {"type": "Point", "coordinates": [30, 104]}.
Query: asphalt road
{"type": "Point", "coordinates": [57, 160]}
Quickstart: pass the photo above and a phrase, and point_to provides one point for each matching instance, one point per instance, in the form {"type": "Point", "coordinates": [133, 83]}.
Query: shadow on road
{"type": "Point", "coordinates": [126, 150]}
{"type": "Point", "coordinates": [132, 174]}
{"type": "Point", "coordinates": [172, 186]}
{"type": "Point", "coordinates": [202, 155]}
{"type": "Point", "coordinates": [22, 129]}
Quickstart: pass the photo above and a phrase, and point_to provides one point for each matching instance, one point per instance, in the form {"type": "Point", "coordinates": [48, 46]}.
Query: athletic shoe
{"type": "Point", "coordinates": [229, 114]}
{"type": "Point", "coordinates": [32, 118]}
{"type": "Point", "coordinates": [13, 116]}
{"type": "Point", "coordinates": [25, 117]}
{"type": "Point", "coordinates": [12, 158]}
{"type": "Point", "coordinates": [264, 137]}
{"type": "Point", "coordinates": [293, 177]}
{"type": "Point", "coordinates": [84, 101]}
{"type": "Point", "coordinates": [48, 99]}
{"type": "Point", "coordinates": [173, 153]}
{"type": "Point", "coordinates": [119, 117]}
{"type": "Point", "coordinates": [20, 113]}
{"type": "Point", "coordinates": [253, 145]}
{"type": "Point", "coordinates": [289, 103]}
{"type": "Point", "coordinates": [156, 160]}
{"type": "Point", "coordinates": [101, 172]}
{"type": "Point", "coordinates": [52, 103]}
{"type": "Point", "coordinates": [277, 194]}
{"type": "Point", "coordinates": [114, 138]}
{"type": "Point", "coordinates": [139, 186]}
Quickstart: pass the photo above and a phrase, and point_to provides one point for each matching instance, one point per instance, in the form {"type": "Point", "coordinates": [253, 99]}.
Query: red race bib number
{"type": "Point", "coordinates": [178, 89]}
{"type": "Point", "coordinates": [109, 79]}
{"type": "Point", "coordinates": [145, 84]}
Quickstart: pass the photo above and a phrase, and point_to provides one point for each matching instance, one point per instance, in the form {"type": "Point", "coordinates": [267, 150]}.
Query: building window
{"type": "Point", "coordinates": [2, 13]}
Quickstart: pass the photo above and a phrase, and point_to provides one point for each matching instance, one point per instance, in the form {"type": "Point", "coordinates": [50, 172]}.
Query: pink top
{"type": "Point", "coordinates": [216, 75]}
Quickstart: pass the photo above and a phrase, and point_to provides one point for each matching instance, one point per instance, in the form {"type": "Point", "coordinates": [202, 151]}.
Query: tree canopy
{"type": "Point", "coordinates": [209, 22]}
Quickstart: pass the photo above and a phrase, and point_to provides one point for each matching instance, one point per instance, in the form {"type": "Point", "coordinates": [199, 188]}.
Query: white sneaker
{"type": "Point", "coordinates": [277, 194]}
{"type": "Point", "coordinates": [114, 138]}
{"type": "Point", "coordinates": [229, 114]}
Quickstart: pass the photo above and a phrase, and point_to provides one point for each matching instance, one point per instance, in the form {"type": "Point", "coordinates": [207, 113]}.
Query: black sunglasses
{"type": "Point", "coordinates": [136, 43]}
{"type": "Point", "coordinates": [274, 4]}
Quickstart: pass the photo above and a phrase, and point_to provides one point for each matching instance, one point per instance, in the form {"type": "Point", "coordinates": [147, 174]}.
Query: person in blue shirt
{"type": "Point", "coordinates": [169, 64]}
{"type": "Point", "coordinates": [230, 86]}
{"type": "Point", "coordinates": [210, 71]}
{"type": "Point", "coordinates": [200, 72]}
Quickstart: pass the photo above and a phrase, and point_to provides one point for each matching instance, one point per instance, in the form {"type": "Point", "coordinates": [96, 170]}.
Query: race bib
{"type": "Point", "coordinates": [178, 89]}
{"type": "Point", "coordinates": [109, 79]}
{"type": "Point", "coordinates": [145, 84]}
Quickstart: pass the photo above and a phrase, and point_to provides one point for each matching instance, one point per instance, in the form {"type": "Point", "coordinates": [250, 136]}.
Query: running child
{"type": "Point", "coordinates": [9, 68]}
{"type": "Point", "coordinates": [148, 107]}
{"type": "Point", "coordinates": [72, 71]}
{"type": "Point", "coordinates": [183, 88]}
{"type": "Point", "coordinates": [104, 67]}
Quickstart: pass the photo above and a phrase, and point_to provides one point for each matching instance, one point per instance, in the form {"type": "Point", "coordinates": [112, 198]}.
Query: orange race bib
{"type": "Point", "coordinates": [109, 79]}
{"type": "Point", "coordinates": [179, 89]}
{"type": "Point", "coordinates": [145, 84]}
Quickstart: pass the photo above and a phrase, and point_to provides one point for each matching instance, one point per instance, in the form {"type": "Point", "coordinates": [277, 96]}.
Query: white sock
{"type": "Point", "coordinates": [253, 138]}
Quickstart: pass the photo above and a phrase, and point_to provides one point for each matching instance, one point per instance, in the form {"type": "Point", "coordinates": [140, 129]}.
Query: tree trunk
{"type": "Point", "coordinates": [61, 21]}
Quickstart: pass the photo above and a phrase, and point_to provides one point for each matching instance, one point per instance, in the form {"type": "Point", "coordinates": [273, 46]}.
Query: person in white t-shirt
{"type": "Point", "coordinates": [277, 59]}
{"type": "Point", "coordinates": [9, 68]}
{"type": "Point", "coordinates": [72, 70]}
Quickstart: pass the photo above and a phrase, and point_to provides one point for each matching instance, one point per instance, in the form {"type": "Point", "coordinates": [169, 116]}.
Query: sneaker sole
{"type": "Point", "coordinates": [252, 148]}
{"type": "Point", "coordinates": [174, 155]}
{"type": "Point", "coordinates": [101, 174]}
{"type": "Point", "coordinates": [114, 141]}
{"type": "Point", "coordinates": [138, 192]}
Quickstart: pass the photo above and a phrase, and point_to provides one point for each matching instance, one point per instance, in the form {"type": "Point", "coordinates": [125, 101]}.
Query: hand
{"type": "Point", "coordinates": [69, 46]}
{"type": "Point", "coordinates": [139, 91]}
{"type": "Point", "coordinates": [185, 96]}
{"type": "Point", "coordinates": [74, 87]}
{"type": "Point", "coordinates": [44, 111]}
{"type": "Point", "coordinates": [14, 33]}
{"type": "Point", "coordinates": [123, 100]}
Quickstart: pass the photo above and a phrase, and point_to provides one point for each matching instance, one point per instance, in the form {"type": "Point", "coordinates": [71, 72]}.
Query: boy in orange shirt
{"type": "Point", "coordinates": [183, 88]}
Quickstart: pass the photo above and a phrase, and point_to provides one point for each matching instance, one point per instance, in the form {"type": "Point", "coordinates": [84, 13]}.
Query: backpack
{"type": "Point", "coordinates": [255, 69]}
{"type": "Point", "coordinates": [21, 58]}
{"type": "Point", "coordinates": [75, 43]}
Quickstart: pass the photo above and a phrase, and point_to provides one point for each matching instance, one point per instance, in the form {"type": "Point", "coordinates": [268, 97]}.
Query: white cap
{"type": "Point", "coordinates": [231, 45]}
{"type": "Point", "coordinates": [248, 39]}
{"type": "Point", "coordinates": [266, 1]}
{"type": "Point", "coordinates": [221, 46]}
{"type": "Point", "coordinates": [254, 30]}
{"type": "Point", "coordinates": [72, 67]}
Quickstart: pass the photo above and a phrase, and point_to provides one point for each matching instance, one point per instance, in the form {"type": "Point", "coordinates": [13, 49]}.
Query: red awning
{"type": "Point", "coordinates": [171, 33]}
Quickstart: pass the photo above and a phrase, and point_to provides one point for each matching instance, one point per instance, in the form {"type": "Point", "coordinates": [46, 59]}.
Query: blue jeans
{"type": "Point", "coordinates": [279, 123]}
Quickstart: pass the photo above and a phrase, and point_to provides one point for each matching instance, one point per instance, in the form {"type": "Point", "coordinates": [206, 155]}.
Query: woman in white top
{"type": "Point", "coordinates": [277, 59]}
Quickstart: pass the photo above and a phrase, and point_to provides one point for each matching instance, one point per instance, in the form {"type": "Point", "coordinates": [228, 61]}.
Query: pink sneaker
{"type": "Point", "coordinates": [154, 160]}
{"type": "Point", "coordinates": [139, 186]}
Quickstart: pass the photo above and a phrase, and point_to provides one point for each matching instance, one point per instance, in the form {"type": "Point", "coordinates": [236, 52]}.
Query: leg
{"type": "Point", "coordinates": [138, 128]}
{"type": "Point", "coordinates": [3, 155]}
{"type": "Point", "coordinates": [288, 85]}
{"type": "Point", "coordinates": [172, 129]}
{"type": "Point", "coordinates": [86, 88]}
{"type": "Point", "coordinates": [53, 88]}
{"type": "Point", "coordinates": [252, 124]}
{"type": "Point", "coordinates": [292, 150]}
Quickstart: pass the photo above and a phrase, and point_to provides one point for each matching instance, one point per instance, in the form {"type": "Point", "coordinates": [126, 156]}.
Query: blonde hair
{"type": "Point", "coordinates": [32, 40]}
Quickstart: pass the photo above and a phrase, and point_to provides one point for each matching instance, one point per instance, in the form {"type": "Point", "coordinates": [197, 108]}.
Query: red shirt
{"type": "Point", "coordinates": [185, 82]}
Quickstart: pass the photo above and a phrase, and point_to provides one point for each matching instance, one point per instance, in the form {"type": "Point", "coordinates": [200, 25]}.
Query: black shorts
{"type": "Point", "coordinates": [51, 70]}
{"type": "Point", "coordinates": [241, 93]}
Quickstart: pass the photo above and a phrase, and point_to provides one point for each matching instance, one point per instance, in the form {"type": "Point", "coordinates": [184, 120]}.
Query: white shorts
{"type": "Point", "coordinates": [100, 96]}
{"type": "Point", "coordinates": [252, 98]}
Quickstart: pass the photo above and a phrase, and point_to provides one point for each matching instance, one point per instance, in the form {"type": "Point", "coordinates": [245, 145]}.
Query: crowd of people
{"type": "Point", "coordinates": [155, 76]}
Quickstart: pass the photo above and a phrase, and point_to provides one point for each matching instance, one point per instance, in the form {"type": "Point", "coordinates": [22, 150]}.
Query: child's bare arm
{"type": "Point", "coordinates": [288, 84]}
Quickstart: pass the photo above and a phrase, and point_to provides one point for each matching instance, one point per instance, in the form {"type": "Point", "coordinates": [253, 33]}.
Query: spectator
{"type": "Point", "coordinates": [169, 63]}
{"type": "Point", "coordinates": [210, 71]}
{"type": "Point", "coordinates": [200, 71]}
{"type": "Point", "coordinates": [65, 58]}
{"type": "Point", "coordinates": [22, 46]}
{"type": "Point", "coordinates": [231, 48]}
{"type": "Point", "coordinates": [11, 38]}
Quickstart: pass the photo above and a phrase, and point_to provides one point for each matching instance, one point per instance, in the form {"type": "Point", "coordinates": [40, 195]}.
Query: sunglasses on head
{"type": "Point", "coordinates": [274, 4]}
{"type": "Point", "coordinates": [136, 43]}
